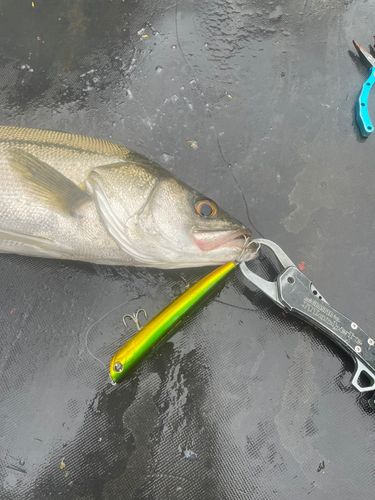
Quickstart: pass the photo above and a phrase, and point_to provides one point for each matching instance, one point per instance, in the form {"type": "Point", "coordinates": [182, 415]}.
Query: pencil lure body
{"type": "Point", "coordinates": [159, 327]}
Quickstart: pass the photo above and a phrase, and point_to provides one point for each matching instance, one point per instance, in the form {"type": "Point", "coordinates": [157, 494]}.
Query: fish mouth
{"type": "Point", "coordinates": [217, 238]}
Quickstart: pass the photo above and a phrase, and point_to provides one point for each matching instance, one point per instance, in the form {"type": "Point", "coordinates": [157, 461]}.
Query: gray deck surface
{"type": "Point", "coordinates": [243, 403]}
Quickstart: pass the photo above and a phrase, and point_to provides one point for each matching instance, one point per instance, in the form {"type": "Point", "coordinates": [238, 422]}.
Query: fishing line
{"type": "Point", "coordinates": [213, 125]}
{"type": "Point", "coordinates": [100, 319]}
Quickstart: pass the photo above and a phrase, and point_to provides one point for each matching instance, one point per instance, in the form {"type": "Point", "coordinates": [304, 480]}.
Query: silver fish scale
{"type": "Point", "coordinates": [23, 214]}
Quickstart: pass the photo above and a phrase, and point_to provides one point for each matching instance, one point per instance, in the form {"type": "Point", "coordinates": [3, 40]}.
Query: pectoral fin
{"type": "Point", "coordinates": [48, 184]}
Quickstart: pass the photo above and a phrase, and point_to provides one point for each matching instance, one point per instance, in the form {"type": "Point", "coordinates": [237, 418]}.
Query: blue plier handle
{"type": "Point", "coordinates": [362, 116]}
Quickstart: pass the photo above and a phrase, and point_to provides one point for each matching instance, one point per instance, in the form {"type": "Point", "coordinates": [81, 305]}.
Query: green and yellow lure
{"type": "Point", "coordinates": [157, 329]}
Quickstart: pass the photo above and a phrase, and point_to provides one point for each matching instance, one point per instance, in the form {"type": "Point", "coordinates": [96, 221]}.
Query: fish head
{"type": "Point", "coordinates": [162, 222]}
{"type": "Point", "coordinates": [191, 228]}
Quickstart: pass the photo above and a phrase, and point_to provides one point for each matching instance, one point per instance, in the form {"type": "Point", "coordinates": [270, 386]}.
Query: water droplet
{"type": "Point", "coordinates": [158, 69]}
{"type": "Point", "coordinates": [22, 462]}
{"type": "Point", "coordinates": [174, 47]}
{"type": "Point", "coordinates": [166, 157]}
{"type": "Point", "coordinates": [129, 94]}
{"type": "Point", "coordinates": [190, 455]}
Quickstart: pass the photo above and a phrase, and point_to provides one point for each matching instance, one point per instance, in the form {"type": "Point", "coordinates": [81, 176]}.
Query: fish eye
{"type": "Point", "coordinates": [205, 208]}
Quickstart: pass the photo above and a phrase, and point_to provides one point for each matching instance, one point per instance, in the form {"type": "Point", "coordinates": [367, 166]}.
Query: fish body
{"type": "Point", "coordinates": [73, 197]}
